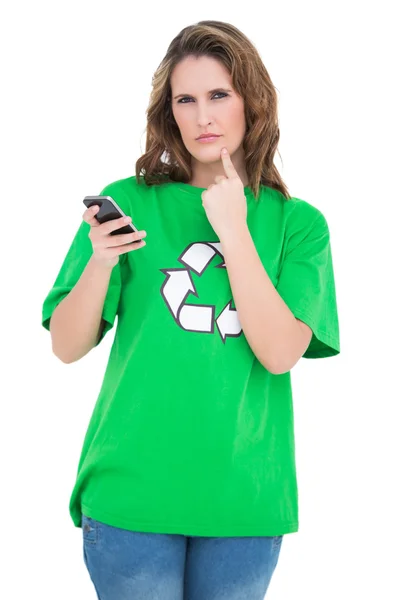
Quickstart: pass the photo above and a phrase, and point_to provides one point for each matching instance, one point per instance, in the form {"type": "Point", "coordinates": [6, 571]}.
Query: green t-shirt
{"type": "Point", "coordinates": [190, 434]}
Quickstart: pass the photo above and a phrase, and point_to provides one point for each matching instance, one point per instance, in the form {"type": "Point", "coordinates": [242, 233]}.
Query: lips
{"type": "Point", "coordinates": [210, 135]}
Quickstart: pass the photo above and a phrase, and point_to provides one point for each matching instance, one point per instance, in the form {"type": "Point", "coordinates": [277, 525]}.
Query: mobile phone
{"type": "Point", "coordinates": [109, 210]}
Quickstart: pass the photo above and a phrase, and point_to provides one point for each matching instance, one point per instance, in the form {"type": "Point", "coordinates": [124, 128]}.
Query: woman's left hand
{"type": "Point", "coordinates": [225, 202]}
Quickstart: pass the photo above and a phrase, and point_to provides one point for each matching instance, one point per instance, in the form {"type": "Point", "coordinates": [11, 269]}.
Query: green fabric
{"type": "Point", "coordinates": [69, 274]}
{"type": "Point", "coordinates": [190, 434]}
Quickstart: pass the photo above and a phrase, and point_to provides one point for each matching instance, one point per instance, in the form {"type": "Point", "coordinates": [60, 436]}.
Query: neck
{"type": "Point", "coordinates": [203, 175]}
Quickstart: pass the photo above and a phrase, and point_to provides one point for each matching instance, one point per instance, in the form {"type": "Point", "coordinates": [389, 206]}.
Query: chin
{"type": "Point", "coordinates": [207, 154]}
{"type": "Point", "coordinates": [209, 161]}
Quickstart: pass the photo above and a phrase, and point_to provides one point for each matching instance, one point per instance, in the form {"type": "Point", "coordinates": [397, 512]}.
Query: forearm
{"type": "Point", "coordinates": [267, 322]}
{"type": "Point", "coordinates": [76, 322]}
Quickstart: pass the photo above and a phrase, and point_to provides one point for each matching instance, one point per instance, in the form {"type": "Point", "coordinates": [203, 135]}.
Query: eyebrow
{"type": "Point", "coordinates": [220, 89]}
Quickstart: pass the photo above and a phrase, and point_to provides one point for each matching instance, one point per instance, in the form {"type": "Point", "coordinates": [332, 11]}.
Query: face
{"type": "Point", "coordinates": [197, 110]}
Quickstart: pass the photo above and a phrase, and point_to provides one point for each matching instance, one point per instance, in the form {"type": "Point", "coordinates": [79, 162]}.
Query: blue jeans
{"type": "Point", "coordinates": [129, 565]}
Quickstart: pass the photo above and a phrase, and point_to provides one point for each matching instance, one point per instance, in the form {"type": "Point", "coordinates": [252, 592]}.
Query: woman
{"type": "Point", "coordinates": [186, 482]}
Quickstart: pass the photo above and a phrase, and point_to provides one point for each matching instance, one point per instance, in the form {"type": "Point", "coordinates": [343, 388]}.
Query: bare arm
{"type": "Point", "coordinates": [76, 322]}
{"type": "Point", "coordinates": [276, 337]}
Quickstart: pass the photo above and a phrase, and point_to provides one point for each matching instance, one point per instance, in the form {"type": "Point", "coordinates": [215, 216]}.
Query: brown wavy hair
{"type": "Point", "coordinates": [250, 80]}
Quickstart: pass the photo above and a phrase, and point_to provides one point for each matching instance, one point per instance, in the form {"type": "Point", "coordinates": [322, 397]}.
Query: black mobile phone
{"type": "Point", "coordinates": [108, 211]}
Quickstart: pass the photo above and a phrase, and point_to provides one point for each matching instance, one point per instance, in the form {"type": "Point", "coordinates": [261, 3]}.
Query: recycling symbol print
{"type": "Point", "coordinates": [179, 284]}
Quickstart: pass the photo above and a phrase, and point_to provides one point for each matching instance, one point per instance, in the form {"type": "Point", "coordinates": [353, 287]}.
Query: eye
{"type": "Point", "coordinates": [188, 97]}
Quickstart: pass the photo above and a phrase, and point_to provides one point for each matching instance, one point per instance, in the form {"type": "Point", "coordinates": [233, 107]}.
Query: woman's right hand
{"type": "Point", "coordinates": [107, 248]}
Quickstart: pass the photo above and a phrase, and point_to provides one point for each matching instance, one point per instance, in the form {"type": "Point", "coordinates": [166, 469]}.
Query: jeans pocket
{"type": "Point", "coordinates": [90, 530]}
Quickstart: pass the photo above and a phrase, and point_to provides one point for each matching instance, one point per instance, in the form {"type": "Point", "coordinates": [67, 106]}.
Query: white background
{"type": "Point", "coordinates": [76, 78]}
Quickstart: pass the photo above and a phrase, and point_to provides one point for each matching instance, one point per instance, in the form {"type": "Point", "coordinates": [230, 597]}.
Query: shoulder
{"type": "Point", "coordinates": [126, 186]}
{"type": "Point", "coordinates": [303, 215]}
{"type": "Point", "coordinates": [293, 213]}
{"type": "Point", "coordinates": [126, 192]}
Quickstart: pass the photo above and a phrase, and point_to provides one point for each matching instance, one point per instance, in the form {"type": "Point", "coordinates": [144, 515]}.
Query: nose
{"type": "Point", "coordinates": [203, 115]}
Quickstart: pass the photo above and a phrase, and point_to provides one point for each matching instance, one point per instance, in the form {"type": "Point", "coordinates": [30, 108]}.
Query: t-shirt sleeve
{"type": "Point", "coordinates": [71, 269]}
{"type": "Point", "coordinates": [306, 282]}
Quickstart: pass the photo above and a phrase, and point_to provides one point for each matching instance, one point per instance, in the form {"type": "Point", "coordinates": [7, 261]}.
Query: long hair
{"type": "Point", "coordinates": [166, 157]}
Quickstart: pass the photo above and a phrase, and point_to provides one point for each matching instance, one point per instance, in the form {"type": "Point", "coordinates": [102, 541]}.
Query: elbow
{"type": "Point", "coordinates": [284, 360]}
{"type": "Point", "coordinates": [68, 360]}
{"type": "Point", "coordinates": [276, 370]}
{"type": "Point", "coordinates": [60, 357]}
{"type": "Point", "coordinates": [280, 370]}
{"type": "Point", "coordinates": [271, 366]}
{"type": "Point", "coordinates": [284, 367]}
{"type": "Point", "coordinates": [277, 367]}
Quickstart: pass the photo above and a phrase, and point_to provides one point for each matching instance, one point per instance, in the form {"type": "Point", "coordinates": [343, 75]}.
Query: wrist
{"type": "Point", "coordinates": [101, 265]}
{"type": "Point", "coordinates": [233, 234]}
